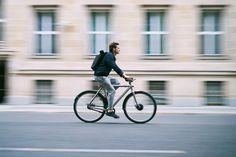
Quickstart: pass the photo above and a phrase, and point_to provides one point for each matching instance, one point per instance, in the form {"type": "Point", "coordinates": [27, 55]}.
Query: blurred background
{"type": "Point", "coordinates": [181, 51]}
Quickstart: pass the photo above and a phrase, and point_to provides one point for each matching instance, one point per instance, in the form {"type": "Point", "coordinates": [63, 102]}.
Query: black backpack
{"type": "Point", "coordinates": [98, 59]}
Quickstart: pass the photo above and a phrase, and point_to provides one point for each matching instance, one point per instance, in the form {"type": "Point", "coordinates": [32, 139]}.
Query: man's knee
{"type": "Point", "coordinates": [112, 91]}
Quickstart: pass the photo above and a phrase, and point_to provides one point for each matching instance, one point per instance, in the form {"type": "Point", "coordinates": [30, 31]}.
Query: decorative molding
{"type": "Point", "coordinates": [4, 50]}
{"type": "Point", "coordinates": [156, 57]}
{"type": "Point", "coordinates": [154, 6]}
{"type": "Point", "coordinates": [213, 57]}
{"type": "Point", "coordinates": [45, 6]}
{"type": "Point", "coordinates": [131, 72]}
{"type": "Point", "coordinates": [100, 5]}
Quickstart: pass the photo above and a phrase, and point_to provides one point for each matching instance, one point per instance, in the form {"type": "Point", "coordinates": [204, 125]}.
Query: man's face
{"type": "Point", "coordinates": [116, 50]}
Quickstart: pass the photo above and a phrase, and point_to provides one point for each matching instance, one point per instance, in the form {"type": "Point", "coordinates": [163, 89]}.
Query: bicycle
{"type": "Point", "coordinates": [138, 106]}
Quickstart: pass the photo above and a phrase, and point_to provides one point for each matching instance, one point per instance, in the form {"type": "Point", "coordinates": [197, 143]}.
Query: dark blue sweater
{"type": "Point", "coordinates": [107, 64]}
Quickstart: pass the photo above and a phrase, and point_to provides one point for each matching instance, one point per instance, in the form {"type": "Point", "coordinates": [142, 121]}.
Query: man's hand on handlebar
{"type": "Point", "coordinates": [128, 78]}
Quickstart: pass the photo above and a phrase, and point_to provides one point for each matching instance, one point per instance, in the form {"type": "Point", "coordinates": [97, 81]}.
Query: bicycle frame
{"type": "Point", "coordinates": [129, 87]}
{"type": "Point", "coordinates": [96, 100]}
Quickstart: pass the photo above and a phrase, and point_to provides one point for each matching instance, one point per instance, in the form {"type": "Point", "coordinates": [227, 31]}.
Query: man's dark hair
{"type": "Point", "coordinates": [113, 45]}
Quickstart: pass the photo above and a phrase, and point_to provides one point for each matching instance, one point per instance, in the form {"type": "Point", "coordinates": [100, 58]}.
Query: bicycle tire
{"type": "Point", "coordinates": [147, 108]}
{"type": "Point", "coordinates": [81, 109]}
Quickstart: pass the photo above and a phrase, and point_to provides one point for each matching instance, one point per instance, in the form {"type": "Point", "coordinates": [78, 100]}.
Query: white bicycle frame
{"type": "Point", "coordinates": [129, 87]}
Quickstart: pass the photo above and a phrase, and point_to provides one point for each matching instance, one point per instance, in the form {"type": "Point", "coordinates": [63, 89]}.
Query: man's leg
{"type": "Point", "coordinates": [110, 94]}
{"type": "Point", "coordinates": [106, 83]}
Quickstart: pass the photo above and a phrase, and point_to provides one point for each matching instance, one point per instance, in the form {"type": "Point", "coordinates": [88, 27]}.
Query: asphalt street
{"type": "Point", "coordinates": [60, 134]}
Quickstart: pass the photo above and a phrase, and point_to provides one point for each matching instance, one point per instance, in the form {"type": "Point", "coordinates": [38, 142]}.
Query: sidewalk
{"type": "Point", "coordinates": [160, 109]}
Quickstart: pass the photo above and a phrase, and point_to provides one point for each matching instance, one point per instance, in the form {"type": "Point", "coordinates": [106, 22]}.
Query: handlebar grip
{"type": "Point", "coordinates": [129, 79]}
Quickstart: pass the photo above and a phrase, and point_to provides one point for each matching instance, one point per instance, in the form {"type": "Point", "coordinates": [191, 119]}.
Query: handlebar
{"type": "Point", "coordinates": [130, 80]}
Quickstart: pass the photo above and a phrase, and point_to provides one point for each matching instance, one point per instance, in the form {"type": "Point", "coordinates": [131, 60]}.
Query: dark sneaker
{"type": "Point", "coordinates": [112, 114]}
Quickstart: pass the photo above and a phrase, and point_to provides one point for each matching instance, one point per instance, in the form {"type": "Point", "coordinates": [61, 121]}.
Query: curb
{"type": "Point", "coordinates": [160, 109]}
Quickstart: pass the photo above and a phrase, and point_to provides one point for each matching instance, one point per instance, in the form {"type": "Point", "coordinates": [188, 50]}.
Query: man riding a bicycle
{"type": "Point", "coordinates": [102, 75]}
{"type": "Point", "coordinates": [91, 105]}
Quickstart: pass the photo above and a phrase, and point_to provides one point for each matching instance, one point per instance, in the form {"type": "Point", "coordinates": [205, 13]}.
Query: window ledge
{"type": "Point", "coordinates": [156, 57]}
{"type": "Point", "coordinates": [90, 57]}
{"type": "Point", "coordinates": [213, 57]}
{"type": "Point", "coordinates": [44, 57]}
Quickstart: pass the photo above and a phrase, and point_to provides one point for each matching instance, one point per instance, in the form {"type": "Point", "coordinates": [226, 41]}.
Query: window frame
{"type": "Point", "coordinates": [163, 33]}
{"type": "Point", "coordinates": [41, 94]}
{"type": "Point", "coordinates": [92, 32]}
{"type": "Point", "coordinates": [210, 94]}
{"type": "Point", "coordinates": [2, 21]}
{"type": "Point", "coordinates": [54, 33]}
{"type": "Point", "coordinates": [159, 95]}
{"type": "Point", "coordinates": [219, 49]}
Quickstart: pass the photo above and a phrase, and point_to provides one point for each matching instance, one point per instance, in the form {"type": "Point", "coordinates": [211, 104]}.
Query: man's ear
{"type": "Point", "coordinates": [113, 49]}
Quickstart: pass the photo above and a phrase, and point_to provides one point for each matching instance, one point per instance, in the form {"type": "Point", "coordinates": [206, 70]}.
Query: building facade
{"type": "Point", "coordinates": [181, 51]}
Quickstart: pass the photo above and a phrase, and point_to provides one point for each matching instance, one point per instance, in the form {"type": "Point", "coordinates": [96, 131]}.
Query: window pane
{"type": "Point", "coordinates": [100, 21]}
{"type": "Point", "coordinates": [211, 21]}
{"type": "Point", "coordinates": [99, 42]}
{"type": "Point", "coordinates": [218, 44]}
{"type": "Point", "coordinates": [158, 91]}
{"type": "Point", "coordinates": [155, 44]}
{"type": "Point", "coordinates": [46, 21]}
{"type": "Point", "coordinates": [155, 21]}
{"type": "Point", "coordinates": [208, 21]}
{"type": "Point", "coordinates": [1, 23]}
{"type": "Point", "coordinates": [211, 44]}
{"type": "Point", "coordinates": [1, 10]}
{"type": "Point", "coordinates": [214, 93]}
{"type": "Point", "coordinates": [46, 43]}
{"type": "Point", "coordinates": [1, 31]}
{"type": "Point", "coordinates": [214, 86]}
{"type": "Point", "coordinates": [216, 100]}
{"type": "Point", "coordinates": [44, 91]}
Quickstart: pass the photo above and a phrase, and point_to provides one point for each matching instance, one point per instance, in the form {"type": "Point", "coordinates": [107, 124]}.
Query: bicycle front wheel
{"type": "Point", "coordinates": [142, 110]}
{"type": "Point", "coordinates": [89, 107]}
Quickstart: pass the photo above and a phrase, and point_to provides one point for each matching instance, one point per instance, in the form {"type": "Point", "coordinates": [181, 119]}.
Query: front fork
{"type": "Point", "coordinates": [135, 100]}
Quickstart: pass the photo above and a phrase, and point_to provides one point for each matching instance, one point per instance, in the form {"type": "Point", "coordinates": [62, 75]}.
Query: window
{"type": "Point", "coordinates": [211, 34]}
{"type": "Point", "coordinates": [99, 30]}
{"type": "Point", "coordinates": [214, 93]}
{"type": "Point", "coordinates": [44, 91]}
{"type": "Point", "coordinates": [1, 21]}
{"type": "Point", "coordinates": [46, 33]}
{"type": "Point", "coordinates": [158, 91]}
{"type": "Point", "coordinates": [155, 32]}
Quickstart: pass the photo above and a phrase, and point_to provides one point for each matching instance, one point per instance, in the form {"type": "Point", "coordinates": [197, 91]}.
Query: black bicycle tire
{"type": "Point", "coordinates": [75, 104]}
{"type": "Point", "coordinates": [139, 92]}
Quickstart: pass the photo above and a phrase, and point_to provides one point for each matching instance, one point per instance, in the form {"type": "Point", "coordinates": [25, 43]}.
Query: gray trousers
{"type": "Point", "coordinates": [106, 83]}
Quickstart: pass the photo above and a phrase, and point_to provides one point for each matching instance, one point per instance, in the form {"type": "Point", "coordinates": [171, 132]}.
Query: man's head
{"type": "Point", "coordinates": [114, 48]}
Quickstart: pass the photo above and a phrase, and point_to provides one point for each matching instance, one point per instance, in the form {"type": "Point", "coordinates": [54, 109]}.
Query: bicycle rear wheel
{"type": "Point", "coordinates": [143, 111]}
{"type": "Point", "coordinates": [92, 112]}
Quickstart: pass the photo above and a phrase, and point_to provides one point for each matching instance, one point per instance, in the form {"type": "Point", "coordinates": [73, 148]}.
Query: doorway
{"type": "Point", "coordinates": [2, 81]}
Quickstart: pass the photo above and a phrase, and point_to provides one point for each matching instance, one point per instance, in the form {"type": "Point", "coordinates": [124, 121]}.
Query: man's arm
{"type": "Point", "coordinates": [112, 64]}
